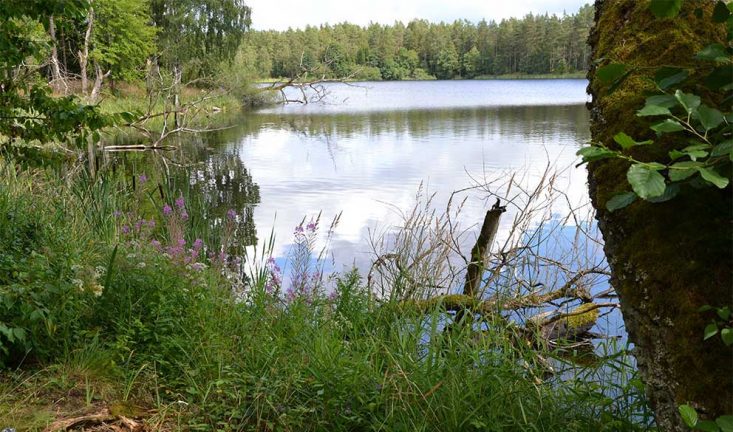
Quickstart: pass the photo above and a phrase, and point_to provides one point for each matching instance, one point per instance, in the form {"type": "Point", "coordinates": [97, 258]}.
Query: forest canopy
{"type": "Point", "coordinates": [535, 44]}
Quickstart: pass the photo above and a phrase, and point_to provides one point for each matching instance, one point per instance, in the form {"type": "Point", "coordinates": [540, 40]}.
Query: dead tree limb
{"type": "Point", "coordinates": [479, 251]}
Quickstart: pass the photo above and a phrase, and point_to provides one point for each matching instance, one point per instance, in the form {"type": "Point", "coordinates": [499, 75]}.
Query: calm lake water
{"type": "Point", "coordinates": [367, 148]}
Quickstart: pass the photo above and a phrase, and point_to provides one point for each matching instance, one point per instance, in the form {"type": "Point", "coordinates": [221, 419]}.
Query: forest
{"type": "Point", "coordinates": [534, 44]}
{"type": "Point", "coordinates": [140, 292]}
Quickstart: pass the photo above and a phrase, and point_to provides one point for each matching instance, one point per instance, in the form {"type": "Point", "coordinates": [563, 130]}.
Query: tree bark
{"type": "Point", "coordinates": [84, 53]}
{"type": "Point", "coordinates": [57, 80]}
{"type": "Point", "coordinates": [483, 244]}
{"type": "Point", "coordinates": [667, 259]}
{"type": "Point", "coordinates": [99, 77]}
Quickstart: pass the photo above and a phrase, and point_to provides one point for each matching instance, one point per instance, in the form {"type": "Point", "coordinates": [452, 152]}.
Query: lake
{"type": "Point", "coordinates": [370, 151]}
{"type": "Point", "coordinates": [366, 149]}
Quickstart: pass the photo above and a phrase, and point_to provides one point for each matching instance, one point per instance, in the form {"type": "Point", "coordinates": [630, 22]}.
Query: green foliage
{"type": "Point", "coordinates": [692, 420]}
{"type": "Point", "coordinates": [245, 359]}
{"type": "Point", "coordinates": [28, 111]}
{"type": "Point", "coordinates": [535, 44]}
{"type": "Point", "coordinates": [199, 35]}
{"type": "Point", "coordinates": [123, 38]}
{"type": "Point", "coordinates": [721, 323]}
{"type": "Point", "coordinates": [701, 126]}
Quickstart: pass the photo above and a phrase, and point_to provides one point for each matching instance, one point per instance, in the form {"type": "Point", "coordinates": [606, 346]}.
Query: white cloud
{"type": "Point", "coordinates": [281, 14]}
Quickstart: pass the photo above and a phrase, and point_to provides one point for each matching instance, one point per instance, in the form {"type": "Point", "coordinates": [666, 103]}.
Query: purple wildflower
{"type": "Point", "coordinates": [117, 213]}
{"type": "Point", "coordinates": [299, 229]}
{"type": "Point", "coordinates": [312, 227]}
{"type": "Point", "coordinates": [151, 223]}
{"type": "Point", "coordinates": [155, 243]}
{"type": "Point", "coordinates": [142, 178]}
{"type": "Point", "coordinates": [198, 266]}
{"type": "Point", "coordinates": [184, 216]}
{"type": "Point", "coordinates": [180, 203]}
{"type": "Point", "coordinates": [125, 229]}
{"type": "Point", "coordinates": [231, 214]}
{"type": "Point", "coordinates": [167, 210]}
{"type": "Point", "coordinates": [181, 242]}
{"type": "Point", "coordinates": [198, 244]}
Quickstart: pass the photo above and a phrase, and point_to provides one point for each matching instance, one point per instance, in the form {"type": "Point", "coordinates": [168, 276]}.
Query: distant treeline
{"type": "Point", "coordinates": [535, 44]}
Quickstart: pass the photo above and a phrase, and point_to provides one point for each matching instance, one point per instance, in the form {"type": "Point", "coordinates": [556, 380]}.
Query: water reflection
{"type": "Point", "coordinates": [369, 164]}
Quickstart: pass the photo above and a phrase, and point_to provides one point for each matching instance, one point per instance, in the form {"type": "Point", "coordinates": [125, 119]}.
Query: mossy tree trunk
{"type": "Point", "coordinates": [667, 259]}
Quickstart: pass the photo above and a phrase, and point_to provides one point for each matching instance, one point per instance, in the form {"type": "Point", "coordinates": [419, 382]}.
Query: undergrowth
{"type": "Point", "coordinates": [119, 296]}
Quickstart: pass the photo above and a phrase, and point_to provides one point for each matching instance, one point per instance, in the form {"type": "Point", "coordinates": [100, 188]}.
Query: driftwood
{"type": "Point", "coordinates": [136, 147]}
{"type": "Point", "coordinates": [102, 418]}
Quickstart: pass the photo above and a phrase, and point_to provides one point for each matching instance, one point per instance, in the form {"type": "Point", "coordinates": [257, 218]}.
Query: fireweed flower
{"type": "Point", "coordinates": [180, 203]}
{"type": "Point", "coordinates": [184, 216]}
{"type": "Point", "coordinates": [198, 244]}
{"type": "Point", "coordinates": [125, 229]}
{"type": "Point", "coordinates": [167, 210]}
{"type": "Point", "coordinates": [312, 227]}
{"type": "Point", "coordinates": [155, 244]}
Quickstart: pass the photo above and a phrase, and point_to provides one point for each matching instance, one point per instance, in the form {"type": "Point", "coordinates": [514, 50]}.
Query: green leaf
{"type": "Point", "coordinates": [689, 102]}
{"type": "Point", "coordinates": [653, 110]}
{"type": "Point", "coordinates": [720, 77]}
{"type": "Point", "coordinates": [683, 170]}
{"type": "Point", "coordinates": [727, 335]}
{"type": "Point", "coordinates": [713, 177]}
{"type": "Point", "coordinates": [666, 77]}
{"type": "Point", "coordinates": [665, 8]}
{"type": "Point", "coordinates": [693, 154]}
{"type": "Point", "coordinates": [668, 125]}
{"type": "Point", "coordinates": [689, 415]}
{"type": "Point", "coordinates": [724, 313]}
{"type": "Point", "coordinates": [611, 72]}
{"type": "Point", "coordinates": [710, 331]}
{"type": "Point", "coordinates": [722, 149]}
{"type": "Point", "coordinates": [646, 182]}
{"type": "Point", "coordinates": [670, 192]}
{"type": "Point", "coordinates": [725, 423]}
{"type": "Point", "coordinates": [710, 118]}
{"type": "Point", "coordinates": [713, 52]}
{"type": "Point", "coordinates": [707, 426]}
{"type": "Point", "coordinates": [620, 201]}
{"type": "Point", "coordinates": [662, 100]}
{"type": "Point", "coordinates": [626, 142]}
{"type": "Point", "coordinates": [592, 153]}
{"type": "Point", "coordinates": [720, 12]}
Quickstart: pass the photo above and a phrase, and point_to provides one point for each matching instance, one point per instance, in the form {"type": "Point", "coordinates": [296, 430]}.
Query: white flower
{"type": "Point", "coordinates": [99, 271]}
{"type": "Point", "coordinates": [78, 283]}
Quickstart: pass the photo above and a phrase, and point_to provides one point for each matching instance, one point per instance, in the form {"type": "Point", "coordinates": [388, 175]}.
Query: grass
{"type": "Point", "coordinates": [99, 313]}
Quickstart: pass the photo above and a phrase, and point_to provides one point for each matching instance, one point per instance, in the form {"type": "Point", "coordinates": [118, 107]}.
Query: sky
{"type": "Point", "coordinates": [281, 14]}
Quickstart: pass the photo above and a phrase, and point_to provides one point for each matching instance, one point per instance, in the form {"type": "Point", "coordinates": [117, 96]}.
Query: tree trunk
{"type": "Point", "coordinates": [177, 75]}
{"type": "Point", "coordinates": [667, 259]}
{"type": "Point", "coordinates": [98, 81]}
{"type": "Point", "coordinates": [57, 80]}
{"type": "Point", "coordinates": [84, 53]}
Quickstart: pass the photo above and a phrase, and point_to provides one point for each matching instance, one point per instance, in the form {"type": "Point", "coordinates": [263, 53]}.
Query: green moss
{"type": "Point", "coordinates": [586, 314]}
{"type": "Point", "coordinates": [669, 258]}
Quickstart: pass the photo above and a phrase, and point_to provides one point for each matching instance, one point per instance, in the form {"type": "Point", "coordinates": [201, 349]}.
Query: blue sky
{"type": "Point", "coordinates": [281, 14]}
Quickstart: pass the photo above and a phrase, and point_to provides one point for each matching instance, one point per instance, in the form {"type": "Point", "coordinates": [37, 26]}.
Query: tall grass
{"type": "Point", "coordinates": [128, 316]}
